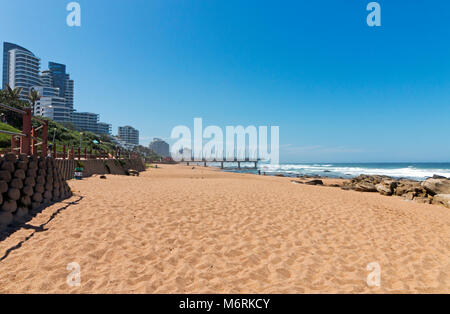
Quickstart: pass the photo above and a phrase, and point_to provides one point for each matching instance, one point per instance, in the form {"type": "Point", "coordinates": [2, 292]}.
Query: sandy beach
{"type": "Point", "coordinates": [181, 230]}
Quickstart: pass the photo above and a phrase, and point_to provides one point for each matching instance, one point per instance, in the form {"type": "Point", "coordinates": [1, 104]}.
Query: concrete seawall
{"type": "Point", "coordinates": [28, 183]}
{"type": "Point", "coordinates": [91, 167]}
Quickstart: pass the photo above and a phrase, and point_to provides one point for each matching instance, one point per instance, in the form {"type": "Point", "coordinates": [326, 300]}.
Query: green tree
{"type": "Point", "coordinates": [13, 94]}
{"type": "Point", "coordinates": [33, 97]}
{"type": "Point", "coordinates": [11, 97]}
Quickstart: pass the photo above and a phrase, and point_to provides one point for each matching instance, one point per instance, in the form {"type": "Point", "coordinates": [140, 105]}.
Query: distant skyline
{"type": "Point", "coordinates": [340, 91]}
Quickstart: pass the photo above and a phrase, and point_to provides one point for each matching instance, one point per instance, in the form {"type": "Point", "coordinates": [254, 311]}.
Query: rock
{"type": "Point", "coordinates": [439, 177]}
{"type": "Point", "coordinates": [442, 199]}
{"type": "Point", "coordinates": [437, 186]}
{"type": "Point", "coordinates": [6, 218]}
{"type": "Point", "coordinates": [39, 188]}
{"type": "Point", "coordinates": [405, 187]}
{"type": "Point", "coordinates": [35, 205]}
{"type": "Point", "coordinates": [27, 190]}
{"type": "Point", "coordinates": [365, 187]}
{"type": "Point", "coordinates": [409, 196]}
{"type": "Point", "coordinates": [422, 199]}
{"type": "Point", "coordinates": [3, 187]}
{"type": "Point", "coordinates": [314, 182]}
{"type": "Point", "coordinates": [5, 175]}
{"type": "Point", "coordinates": [23, 157]}
{"type": "Point", "coordinates": [20, 215]}
{"type": "Point", "coordinates": [37, 197]}
{"type": "Point", "coordinates": [11, 157]}
{"type": "Point", "coordinates": [383, 189]}
{"type": "Point", "coordinates": [22, 165]}
{"type": "Point", "coordinates": [21, 212]}
{"type": "Point", "coordinates": [9, 206]}
{"type": "Point", "coordinates": [25, 201]}
{"type": "Point", "coordinates": [40, 180]}
{"type": "Point", "coordinates": [14, 194]}
{"type": "Point", "coordinates": [31, 173]}
{"type": "Point", "coordinates": [370, 179]}
{"type": "Point", "coordinates": [29, 181]}
{"type": "Point", "coordinates": [16, 183]}
{"type": "Point", "coordinates": [9, 166]}
{"type": "Point", "coordinates": [48, 194]}
{"type": "Point", "coordinates": [19, 173]}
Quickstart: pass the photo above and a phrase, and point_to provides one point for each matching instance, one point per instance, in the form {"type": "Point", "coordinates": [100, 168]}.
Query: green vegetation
{"type": "Point", "coordinates": [146, 152]}
{"type": "Point", "coordinates": [65, 135]}
{"type": "Point", "coordinates": [5, 139]}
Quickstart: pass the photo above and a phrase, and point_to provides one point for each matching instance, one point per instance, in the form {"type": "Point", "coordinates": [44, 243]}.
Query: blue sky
{"type": "Point", "coordinates": [339, 90]}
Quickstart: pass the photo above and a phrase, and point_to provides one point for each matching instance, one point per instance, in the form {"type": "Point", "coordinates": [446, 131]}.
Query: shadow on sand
{"type": "Point", "coordinates": [41, 228]}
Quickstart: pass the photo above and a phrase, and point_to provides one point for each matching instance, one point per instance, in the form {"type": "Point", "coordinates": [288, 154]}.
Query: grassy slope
{"type": "Point", "coordinates": [63, 136]}
{"type": "Point", "coordinates": [5, 139]}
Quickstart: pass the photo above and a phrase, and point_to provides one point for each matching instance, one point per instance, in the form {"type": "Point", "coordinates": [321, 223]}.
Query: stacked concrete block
{"type": "Point", "coordinates": [27, 183]}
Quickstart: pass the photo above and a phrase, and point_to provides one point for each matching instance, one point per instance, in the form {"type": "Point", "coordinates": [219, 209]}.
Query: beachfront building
{"type": "Point", "coordinates": [50, 105]}
{"type": "Point", "coordinates": [104, 128]}
{"type": "Point", "coordinates": [159, 147]}
{"type": "Point", "coordinates": [54, 108]}
{"type": "Point", "coordinates": [56, 91]}
{"type": "Point", "coordinates": [129, 135]}
{"type": "Point", "coordinates": [69, 94]}
{"type": "Point", "coordinates": [89, 122]}
{"type": "Point", "coordinates": [121, 143]}
{"type": "Point", "coordinates": [85, 121]}
{"type": "Point", "coordinates": [20, 68]}
{"type": "Point", "coordinates": [57, 77]}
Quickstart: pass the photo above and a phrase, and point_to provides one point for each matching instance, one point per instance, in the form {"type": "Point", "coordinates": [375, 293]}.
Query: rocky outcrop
{"type": "Point", "coordinates": [364, 183]}
{"type": "Point", "coordinates": [437, 186]}
{"type": "Point", "coordinates": [434, 190]}
{"type": "Point", "coordinates": [27, 183]}
{"type": "Point", "coordinates": [442, 199]}
{"type": "Point", "coordinates": [314, 182]}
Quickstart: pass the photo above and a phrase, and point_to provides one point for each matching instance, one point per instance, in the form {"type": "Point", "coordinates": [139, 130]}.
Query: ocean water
{"type": "Point", "coordinates": [415, 171]}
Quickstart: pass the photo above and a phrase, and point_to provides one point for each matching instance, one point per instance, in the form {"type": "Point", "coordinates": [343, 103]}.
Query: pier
{"type": "Point", "coordinates": [223, 162]}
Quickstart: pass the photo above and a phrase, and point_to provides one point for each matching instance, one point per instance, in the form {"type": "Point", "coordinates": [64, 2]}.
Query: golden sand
{"type": "Point", "coordinates": [181, 230]}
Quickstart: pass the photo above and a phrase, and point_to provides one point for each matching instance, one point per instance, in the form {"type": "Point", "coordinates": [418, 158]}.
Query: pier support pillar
{"type": "Point", "coordinates": [221, 165]}
{"type": "Point", "coordinates": [239, 165]}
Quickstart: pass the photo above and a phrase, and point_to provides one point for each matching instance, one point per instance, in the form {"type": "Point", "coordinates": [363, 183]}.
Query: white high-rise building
{"type": "Point", "coordinates": [68, 94]}
{"type": "Point", "coordinates": [23, 70]}
{"type": "Point", "coordinates": [160, 147]}
{"type": "Point", "coordinates": [57, 94]}
{"type": "Point", "coordinates": [129, 134]}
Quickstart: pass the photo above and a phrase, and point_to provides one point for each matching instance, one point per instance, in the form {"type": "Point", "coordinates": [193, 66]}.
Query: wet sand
{"type": "Point", "coordinates": [181, 230]}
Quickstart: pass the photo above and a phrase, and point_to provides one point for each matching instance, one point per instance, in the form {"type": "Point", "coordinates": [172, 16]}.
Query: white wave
{"type": "Point", "coordinates": [406, 172]}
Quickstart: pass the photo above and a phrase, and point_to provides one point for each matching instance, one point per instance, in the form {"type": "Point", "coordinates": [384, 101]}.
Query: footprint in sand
{"type": "Point", "coordinates": [284, 273]}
